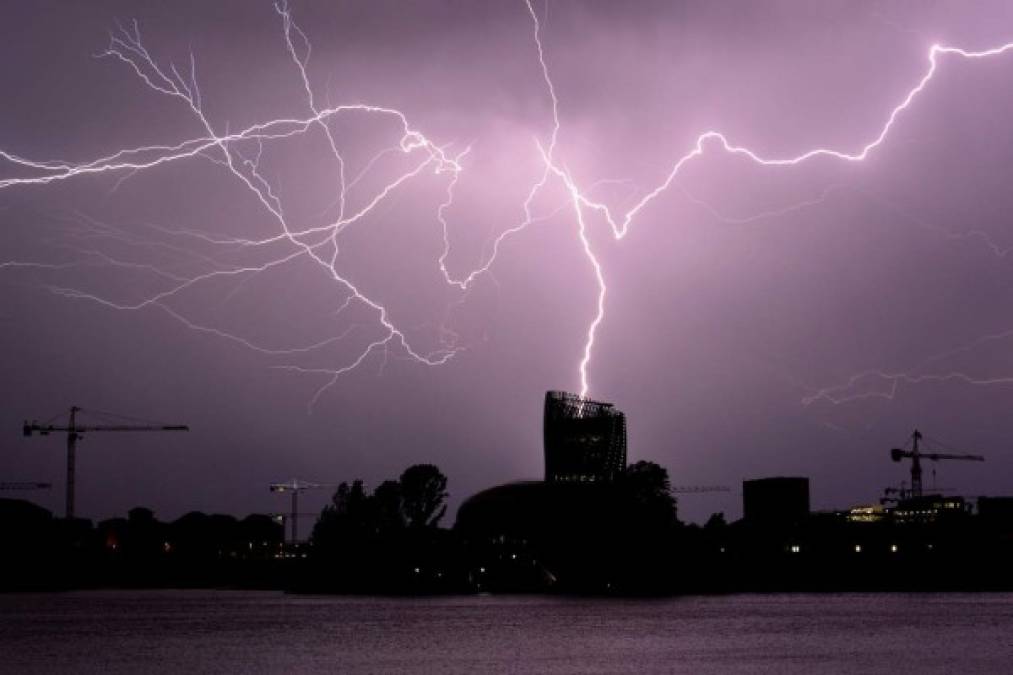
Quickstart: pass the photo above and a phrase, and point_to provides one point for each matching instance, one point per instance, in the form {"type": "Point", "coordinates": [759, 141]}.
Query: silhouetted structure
{"type": "Point", "coordinates": [616, 536]}
{"type": "Point", "coordinates": [75, 431]}
{"type": "Point", "coordinates": [929, 509]}
{"type": "Point", "coordinates": [996, 511]}
{"type": "Point", "coordinates": [294, 487]}
{"type": "Point", "coordinates": [585, 440]}
{"type": "Point", "coordinates": [916, 455]}
{"type": "Point", "coordinates": [775, 501]}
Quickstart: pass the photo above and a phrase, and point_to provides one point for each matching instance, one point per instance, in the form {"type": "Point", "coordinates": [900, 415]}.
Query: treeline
{"type": "Point", "coordinates": [526, 537]}
{"type": "Point", "coordinates": [387, 540]}
{"type": "Point", "coordinates": [622, 537]}
{"type": "Point", "coordinates": [625, 538]}
{"type": "Point", "coordinates": [195, 550]}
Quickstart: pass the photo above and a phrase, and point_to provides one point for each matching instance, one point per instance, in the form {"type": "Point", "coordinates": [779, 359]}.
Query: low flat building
{"type": "Point", "coordinates": [777, 501]}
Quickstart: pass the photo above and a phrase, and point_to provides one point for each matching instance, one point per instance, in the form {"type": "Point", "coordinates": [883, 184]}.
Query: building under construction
{"type": "Point", "coordinates": [585, 440]}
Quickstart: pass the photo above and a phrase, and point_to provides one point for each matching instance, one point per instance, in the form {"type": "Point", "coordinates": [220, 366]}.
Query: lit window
{"type": "Point", "coordinates": [858, 548]}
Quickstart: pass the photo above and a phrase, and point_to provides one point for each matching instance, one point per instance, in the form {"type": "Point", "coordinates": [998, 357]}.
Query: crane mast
{"type": "Point", "coordinates": [74, 432]}
{"type": "Point", "coordinates": [294, 487]}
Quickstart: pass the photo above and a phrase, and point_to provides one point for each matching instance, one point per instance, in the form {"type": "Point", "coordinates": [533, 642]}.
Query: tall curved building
{"type": "Point", "coordinates": [585, 440]}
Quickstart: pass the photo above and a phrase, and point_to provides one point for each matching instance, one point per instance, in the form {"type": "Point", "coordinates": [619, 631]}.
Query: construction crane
{"type": "Point", "coordinates": [295, 487]}
{"type": "Point", "coordinates": [25, 485]}
{"type": "Point", "coordinates": [74, 430]}
{"type": "Point", "coordinates": [916, 455]}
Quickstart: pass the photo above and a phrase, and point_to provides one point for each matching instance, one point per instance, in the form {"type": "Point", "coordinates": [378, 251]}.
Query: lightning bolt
{"type": "Point", "coordinates": [842, 393]}
{"type": "Point", "coordinates": [763, 215]}
{"type": "Point", "coordinates": [318, 242]}
{"type": "Point", "coordinates": [620, 225]}
{"type": "Point", "coordinates": [222, 149]}
{"type": "Point", "coordinates": [466, 281]}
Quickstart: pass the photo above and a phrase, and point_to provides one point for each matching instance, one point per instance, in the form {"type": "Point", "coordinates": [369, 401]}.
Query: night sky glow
{"type": "Point", "coordinates": [339, 240]}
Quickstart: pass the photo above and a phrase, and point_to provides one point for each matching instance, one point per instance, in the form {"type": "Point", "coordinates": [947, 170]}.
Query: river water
{"type": "Point", "coordinates": [268, 632]}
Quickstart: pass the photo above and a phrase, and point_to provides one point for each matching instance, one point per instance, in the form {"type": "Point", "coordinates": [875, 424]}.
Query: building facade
{"type": "Point", "coordinates": [585, 440]}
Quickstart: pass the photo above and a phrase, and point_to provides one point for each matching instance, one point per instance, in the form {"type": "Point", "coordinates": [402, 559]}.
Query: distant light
{"type": "Point", "coordinates": [722, 549]}
{"type": "Point", "coordinates": [481, 570]}
{"type": "Point", "coordinates": [795, 548]}
{"type": "Point", "coordinates": [513, 556]}
{"type": "Point", "coordinates": [858, 548]}
{"type": "Point", "coordinates": [416, 570]}
{"type": "Point", "coordinates": [893, 548]}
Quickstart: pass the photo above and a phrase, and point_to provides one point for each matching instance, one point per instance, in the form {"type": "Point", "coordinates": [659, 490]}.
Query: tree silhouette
{"type": "Point", "coordinates": [648, 481]}
{"type": "Point", "coordinates": [423, 493]}
{"type": "Point", "coordinates": [348, 517]}
{"type": "Point", "coordinates": [388, 506]}
{"type": "Point", "coordinates": [351, 501]}
{"type": "Point", "coordinates": [385, 540]}
{"type": "Point", "coordinates": [647, 486]}
{"type": "Point", "coordinates": [716, 522]}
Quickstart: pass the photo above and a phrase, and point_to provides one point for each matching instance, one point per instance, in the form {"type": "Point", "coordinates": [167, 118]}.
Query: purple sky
{"type": "Point", "coordinates": [738, 294]}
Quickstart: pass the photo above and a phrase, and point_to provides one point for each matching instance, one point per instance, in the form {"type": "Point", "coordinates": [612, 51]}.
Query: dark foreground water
{"type": "Point", "coordinates": [266, 632]}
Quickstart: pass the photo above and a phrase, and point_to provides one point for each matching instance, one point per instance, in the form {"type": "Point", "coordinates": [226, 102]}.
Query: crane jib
{"type": "Point", "coordinates": [74, 431]}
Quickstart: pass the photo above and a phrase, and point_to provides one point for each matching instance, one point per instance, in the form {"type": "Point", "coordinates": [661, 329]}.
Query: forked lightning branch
{"type": "Point", "coordinates": [319, 243]}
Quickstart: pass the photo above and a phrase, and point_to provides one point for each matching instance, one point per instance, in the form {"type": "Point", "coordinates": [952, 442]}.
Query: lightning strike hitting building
{"type": "Point", "coordinates": [585, 440]}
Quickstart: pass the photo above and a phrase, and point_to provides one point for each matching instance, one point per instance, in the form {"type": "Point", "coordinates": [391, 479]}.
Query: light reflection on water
{"type": "Point", "coordinates": [267, 632]}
